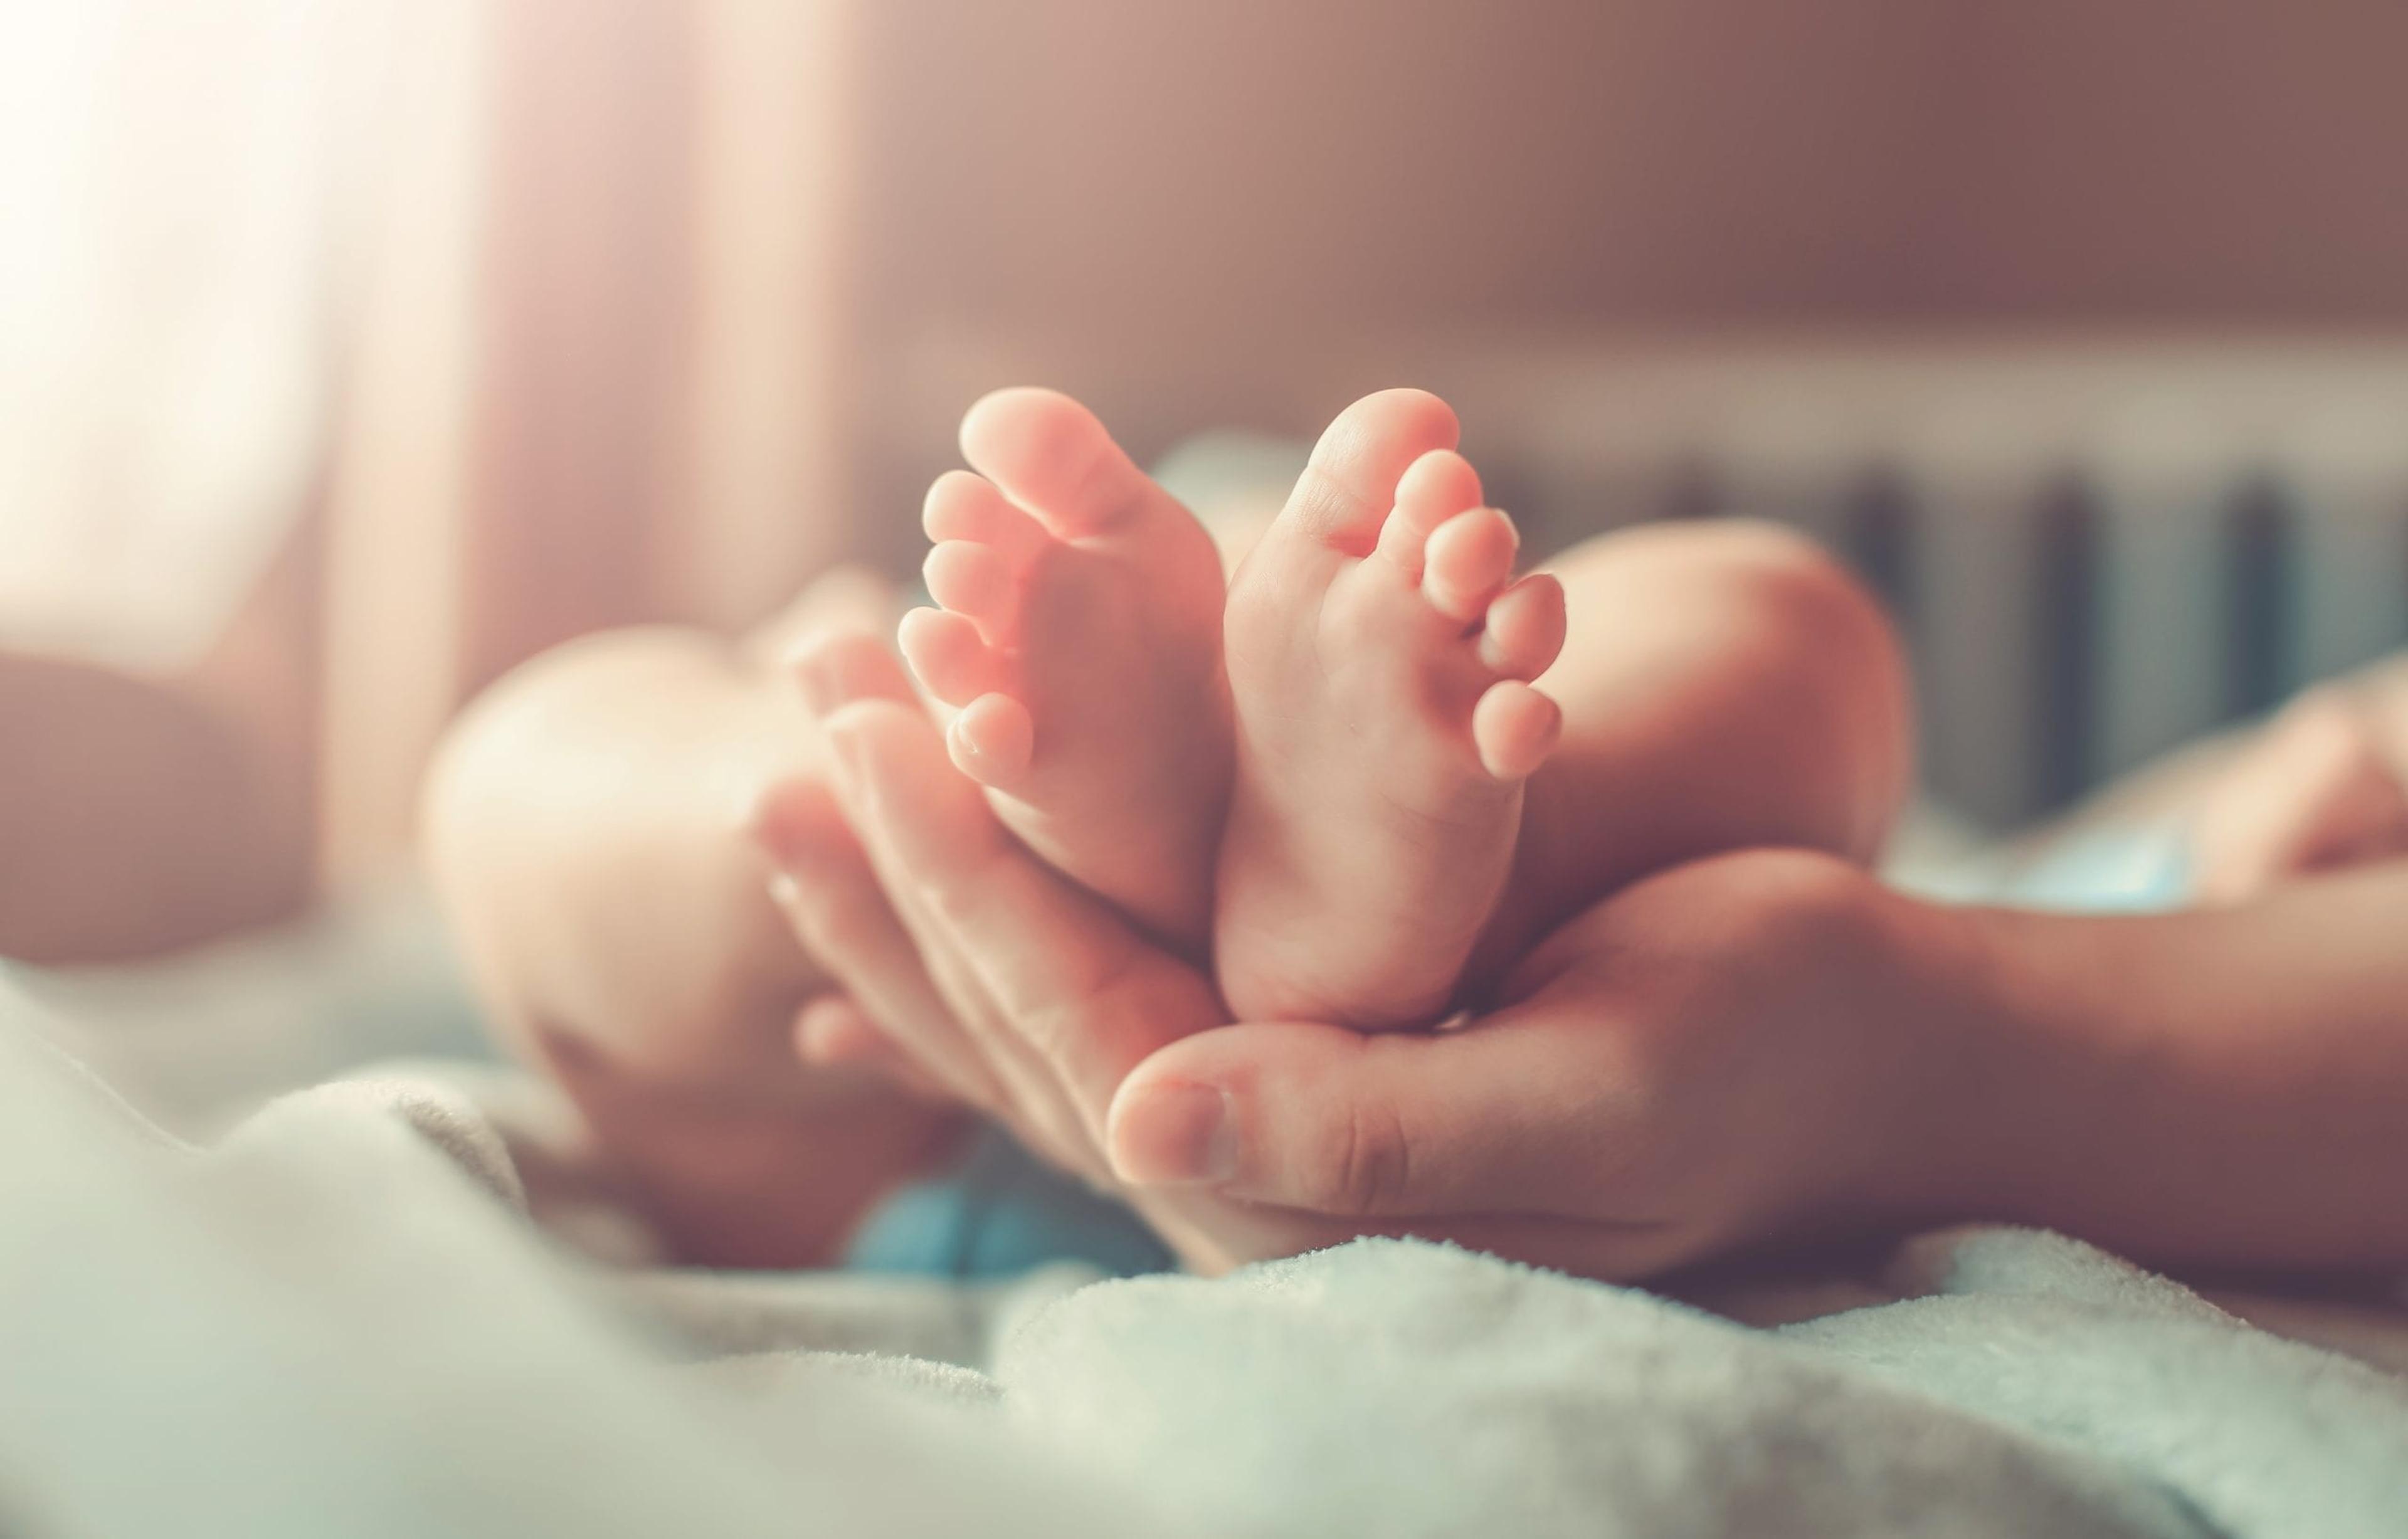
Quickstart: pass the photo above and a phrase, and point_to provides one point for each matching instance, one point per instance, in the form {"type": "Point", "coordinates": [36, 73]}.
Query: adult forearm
{"type": "Point", "coordinates": [2217, 1087]}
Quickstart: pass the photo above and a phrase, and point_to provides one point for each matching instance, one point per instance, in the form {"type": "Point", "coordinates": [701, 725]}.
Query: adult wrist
{"type": "Point", "coordinates": [1990, 1026]}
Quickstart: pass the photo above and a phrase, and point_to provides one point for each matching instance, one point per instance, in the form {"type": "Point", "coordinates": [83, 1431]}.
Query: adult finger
{"type": "Point", "coordinates": [902, 800]}
{"type": "Point", "coordinates": [918, 1016]}
{"type": "Point", "coordinates": [833, 1032]}
{"type": "Point", "coordinates": [1518, 1115]}
{"type": "Point", "coordinates": [1070, 979]}
{"type": "Point", "coordinates": [830, 896]}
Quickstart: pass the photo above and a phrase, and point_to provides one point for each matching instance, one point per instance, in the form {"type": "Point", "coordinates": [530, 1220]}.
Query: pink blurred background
{"type": "Point", "coordinates": [362, 349]}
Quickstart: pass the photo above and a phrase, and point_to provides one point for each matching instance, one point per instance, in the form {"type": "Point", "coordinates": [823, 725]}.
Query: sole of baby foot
{"type": "Point", "coordinates": [1378, 660]}
{"type": "Point", "coordinates": [1077, 634]}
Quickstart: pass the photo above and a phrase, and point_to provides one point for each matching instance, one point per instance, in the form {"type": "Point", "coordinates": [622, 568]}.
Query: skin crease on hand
{"type": "Point", "coordinates": [1573, 1126]}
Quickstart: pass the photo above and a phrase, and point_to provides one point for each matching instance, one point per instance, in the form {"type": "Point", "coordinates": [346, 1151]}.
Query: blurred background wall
{"type": "Point", "coordinates": [1231, 188]}
{"type": "Point", "coordinates": [626, 310]}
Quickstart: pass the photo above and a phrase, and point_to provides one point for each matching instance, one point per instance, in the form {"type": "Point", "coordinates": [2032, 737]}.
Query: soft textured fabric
{"type": "Point", "coordinates": [337, 1319]}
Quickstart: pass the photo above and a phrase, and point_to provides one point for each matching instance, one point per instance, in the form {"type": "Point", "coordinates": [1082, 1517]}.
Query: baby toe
{"type": "Point", "coordinates": [947, 655]}
{"type": "Point", "coordinates": [1433, 489]}
{"type": "Point", "coordinates": [975, 580]}
{"type": "Point", "coordinates": [1524, 628]}
{"type": "Point", "coordinates": [1350, 484]}
{"type": "Point", "coordinates": [1055, 457]}
{"type": "Point", "coordinates": [1466, 560]}
{"type": "Point", "coordinates": [993, 741]}
{"type": "Point", "coordinates": [1515, 728]}
{"type": "Point", "coordinates": [963, 505]}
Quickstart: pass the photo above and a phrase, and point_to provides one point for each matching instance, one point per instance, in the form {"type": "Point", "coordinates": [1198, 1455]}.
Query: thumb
{"type": "Point", "coordinates": [1508, 1116]}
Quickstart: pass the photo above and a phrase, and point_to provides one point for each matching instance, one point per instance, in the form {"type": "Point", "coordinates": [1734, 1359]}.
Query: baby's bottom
{"type": "Point", "coordinates": [1725, 685]}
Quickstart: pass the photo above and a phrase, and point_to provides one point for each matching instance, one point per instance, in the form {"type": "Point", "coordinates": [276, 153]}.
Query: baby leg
{"type": "Point", "coordinates": [1724, 685]}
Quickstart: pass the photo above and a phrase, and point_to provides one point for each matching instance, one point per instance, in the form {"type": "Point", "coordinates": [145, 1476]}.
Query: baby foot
{"type": "Point", "coordinates": [1079, 633]}
{"type": "Point", "coordinates": [1379, 666]}
{"type": "Point", "coordinates": [2314, 792]}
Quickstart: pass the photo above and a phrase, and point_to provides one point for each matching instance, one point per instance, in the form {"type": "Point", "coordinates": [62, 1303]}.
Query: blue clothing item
{"type": "Point", "coordinates": [2144, 869]}
{"type": "Point", "coordinates": [2132, 868]}
{"type": "Point", "coordinates": [999, 1214]}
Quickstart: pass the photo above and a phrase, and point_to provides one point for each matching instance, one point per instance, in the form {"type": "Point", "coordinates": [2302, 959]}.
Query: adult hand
{"type": "Point", "coordinates": [1715, 1055]}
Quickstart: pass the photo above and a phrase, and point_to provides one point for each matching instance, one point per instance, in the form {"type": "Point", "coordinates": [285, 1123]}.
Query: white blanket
{"type": "Point", "coordinates": [337, 1320]}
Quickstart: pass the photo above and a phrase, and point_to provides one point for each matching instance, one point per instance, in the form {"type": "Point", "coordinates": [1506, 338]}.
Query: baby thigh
{"type": "Point", "coordinates": [1724, 685]}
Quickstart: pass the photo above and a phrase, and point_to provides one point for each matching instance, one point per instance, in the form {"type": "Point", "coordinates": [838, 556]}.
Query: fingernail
{"type": "Point", "coordinates": [1175, 1135]}
{"type": "Point", "coordinates": [817, 1027]}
